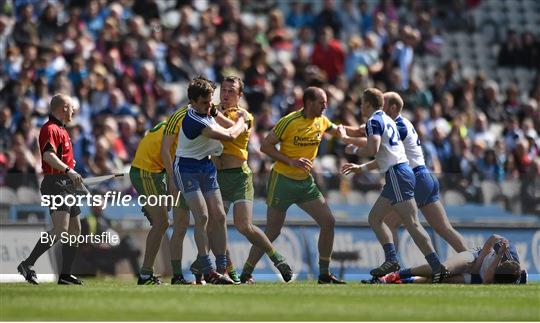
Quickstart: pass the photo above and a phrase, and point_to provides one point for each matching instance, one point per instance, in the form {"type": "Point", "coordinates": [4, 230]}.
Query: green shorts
{"type": "Point", "coordinates": [284, 191]}
{"type": "Point", "coordinates": [236, 184]}
{"type": "Point", "coordinates": [147, 183]}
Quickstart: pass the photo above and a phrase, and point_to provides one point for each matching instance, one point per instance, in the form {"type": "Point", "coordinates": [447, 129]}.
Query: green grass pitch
{"type": "Point", "coordinates": [115, 300]}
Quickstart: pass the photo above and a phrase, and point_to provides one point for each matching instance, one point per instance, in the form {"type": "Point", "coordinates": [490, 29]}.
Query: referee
{"type": "Point", "coordinates": [60, 180]}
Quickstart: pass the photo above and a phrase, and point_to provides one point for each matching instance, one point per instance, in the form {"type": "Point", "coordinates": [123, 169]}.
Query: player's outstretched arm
{"type": "Point", "coordinates": [371, 148]}
{"type": "Point", "coordinates": [225, 134]}
{"type": "Point", "coordinates": [356, 131]}
{"type": "Point", "coordinates": [358, 169]}
{"type": "Point", "coordinates": [268, 146]}
{"type": "Point", "coordinates": [349, 135]}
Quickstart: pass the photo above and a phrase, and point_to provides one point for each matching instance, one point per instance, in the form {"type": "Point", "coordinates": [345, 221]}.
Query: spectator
{"type": "Point", "coordinates": [48, 27]}
{"type": "Point", "coordinates": [350, 18]}
{"type": "Point", "coordinates": [510, 52]}
{"type": "Point", "coordinates": [23, 172]}
{"type": "Point", "coordinates": [489, 168]}
{"type": "Point", "coordinates": [405, 54]}
{"type": "Point", "coordinates": [256, 80]}
{"type": "Point", "coordinates": [481, 131]}
{"type": "Point", "coordinates": [512, 134]}
{"type": "Point", "coordinates": [490, 103]}
{"type": "Point", "coordinates": [329, 55]}
{"type": "Point", "coordinates": [387, 8]}
{"type": "Point", "coordinates": [123, 65]}
{"type": "Point", "coordinates": [415, 96]}
{"type": "Point", "coordinates": [530, 190]}
{"type": "Point", "coordinates": [278, 36]}
{"type": "Point", "coordinates": [328, 17]}
{"type": "Point", "coordinates": [366, 17]}
{"type": "Point", "coordinates": [25, 31]}
{"type": "Point", "coordinates": [511, 104]}
{"type": "Point", "coordinates": [530, 51]}
{"type": "Point", "coordinates": [522, 157]}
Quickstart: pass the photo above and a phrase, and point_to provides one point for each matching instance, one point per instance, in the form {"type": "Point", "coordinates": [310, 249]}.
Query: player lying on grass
{"type": "Point", "coordinates": [496, 263]}
{"type": "Point", "coordinates": [384, 143]}
{"type": "Point", "coordinates": [236, 183]}
{"type": "Point", "coordinates": [426, 189]}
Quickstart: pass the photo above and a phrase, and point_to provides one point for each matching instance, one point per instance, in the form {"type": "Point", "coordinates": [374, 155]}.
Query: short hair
{"type": "Point", "coordinates": [507, 272]}
{"type": "Point", "coordinates": [393, 98]}
{"type": "Point", "coordinates": [374, 97]}
{"type": "Point", "coordinates": [235, 79]}
{"type": "Point", "coordinates": [310, 94]}
{"type": "Point", "coordinates": [200, 87]}
{"type": "Point", "coordinates": [58, 101]}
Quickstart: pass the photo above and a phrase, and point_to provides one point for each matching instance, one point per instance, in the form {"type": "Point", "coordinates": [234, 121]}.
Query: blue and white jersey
{"type": "Point", "coordinates": [191, 142]}
{"type": "Point", "coordinates": [408, 135]}
{"type": "Point", "coordinates": [391, 152]}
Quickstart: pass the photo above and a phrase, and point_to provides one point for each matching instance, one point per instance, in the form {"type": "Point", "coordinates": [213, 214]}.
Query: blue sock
{"type": "Point", "coordinates": [433, 261]}
{"type": "Point", "coordinates": [405, 273]}
{"type": "Point", "coordinates": [221, 263]}
{"type": "Point", "coordinates": [389, 252]}
{"type": "Point", "coordinates": [408, 280]}
{"type": "Point", "coordinates": [206, 264]}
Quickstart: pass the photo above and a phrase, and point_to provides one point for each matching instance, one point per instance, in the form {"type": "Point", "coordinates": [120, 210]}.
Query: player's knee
{"type": "Point", "coordinates": [243, 228]}
{"type": "Point", "coordinates": [201, 218]}
{"type": "Point", "coordinates": [162, 225]}
{"type": "Point", "coordinates": [374, 220]}
{"type": "Point", "coordinates": [179, 232]}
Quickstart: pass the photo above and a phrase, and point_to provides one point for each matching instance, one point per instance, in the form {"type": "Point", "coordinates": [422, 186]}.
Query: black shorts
{"type": "Point", "coordinates": [60, 185]}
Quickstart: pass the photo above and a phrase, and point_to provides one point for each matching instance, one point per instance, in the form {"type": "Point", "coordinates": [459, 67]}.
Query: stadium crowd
{"type": "Point", "coordinates": [127, 64]}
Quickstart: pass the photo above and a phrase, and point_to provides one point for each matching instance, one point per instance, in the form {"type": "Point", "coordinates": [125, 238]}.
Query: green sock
{"type": "Point", "coordinates": [275, 256]}
{"type": "Point", "coordinates": [248, 268]}
{"type": "Point", "coordinates": [176, 267]}
{"type": "Point", "coordinates": [323, 266]}
{"type": "Point", "coordinates": [146, 271]}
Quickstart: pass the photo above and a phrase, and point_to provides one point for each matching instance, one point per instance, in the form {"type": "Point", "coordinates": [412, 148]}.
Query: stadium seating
{"type": "Point", "coordinates": [27, 195]}
{"type": "Point", "coordinates": [8, 196]}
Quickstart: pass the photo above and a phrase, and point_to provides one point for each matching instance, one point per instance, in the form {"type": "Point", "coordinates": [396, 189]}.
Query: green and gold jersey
{"type": "Point", "coordinates": [148, 154]}
{"type": "Point", "coordinates": [299, 137]}
{"type": "Point", "coordinates": [238, 147]}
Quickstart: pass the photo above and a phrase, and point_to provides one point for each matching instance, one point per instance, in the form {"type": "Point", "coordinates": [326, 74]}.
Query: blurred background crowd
{"type": "Point", "coordinates": [468, 71]}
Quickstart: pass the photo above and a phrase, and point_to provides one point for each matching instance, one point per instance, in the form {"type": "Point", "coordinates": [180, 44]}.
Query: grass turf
{"type": "Point", "coordinates": [113, 300]}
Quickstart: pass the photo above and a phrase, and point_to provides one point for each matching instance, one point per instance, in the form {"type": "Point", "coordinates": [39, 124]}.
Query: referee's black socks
{"type": "Point", "coordinates": [38, 250]}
